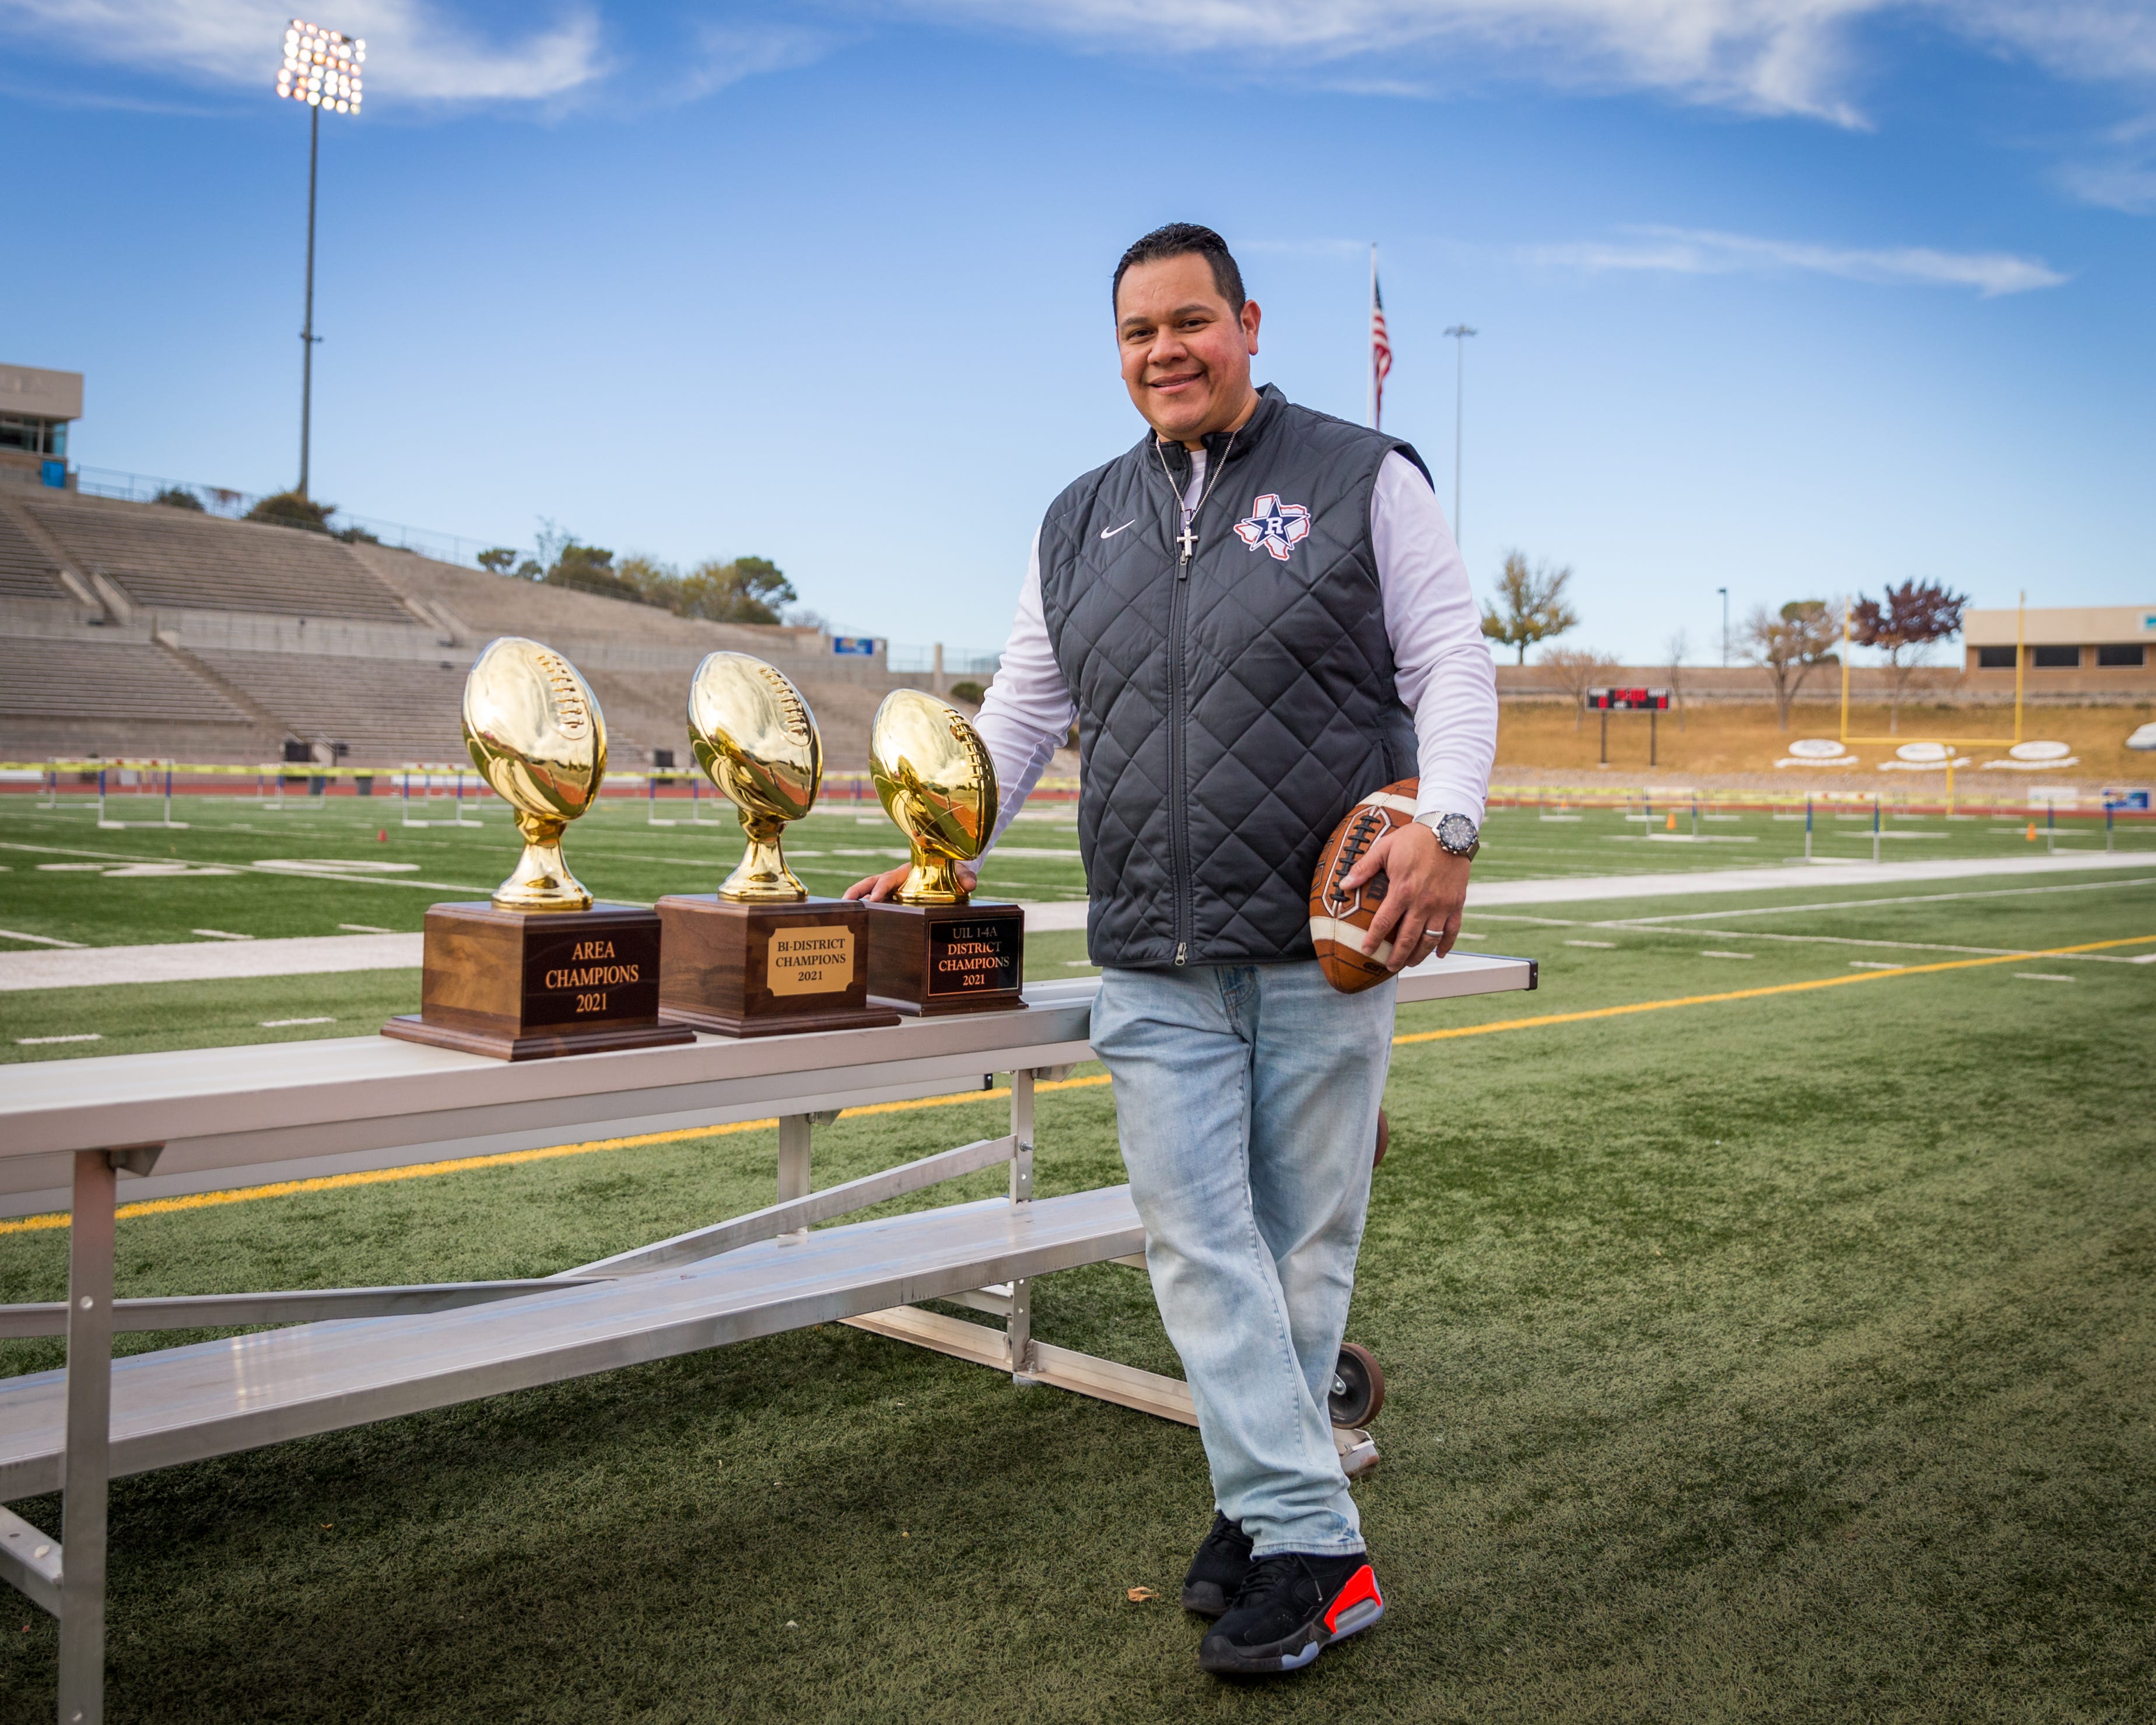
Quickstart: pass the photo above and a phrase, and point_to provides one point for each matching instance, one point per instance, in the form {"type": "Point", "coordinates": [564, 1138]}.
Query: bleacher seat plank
{"type": "Point", "coordinates": [213, 1399]}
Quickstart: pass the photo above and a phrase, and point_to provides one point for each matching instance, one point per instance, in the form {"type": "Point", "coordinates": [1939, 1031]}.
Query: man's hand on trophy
{"type": "Point", "coordinates": [1425, 891]}
{"type": "Point", "coordinates": [876, 888]}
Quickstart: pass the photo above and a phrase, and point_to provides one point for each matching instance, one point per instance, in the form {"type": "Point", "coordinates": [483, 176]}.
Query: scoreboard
{"type": "Point", "coordinates": [1628, 701]}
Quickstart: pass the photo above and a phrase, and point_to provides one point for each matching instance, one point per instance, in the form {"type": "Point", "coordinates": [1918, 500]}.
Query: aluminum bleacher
{"type": "Point", "coordinates": [210, 1119]}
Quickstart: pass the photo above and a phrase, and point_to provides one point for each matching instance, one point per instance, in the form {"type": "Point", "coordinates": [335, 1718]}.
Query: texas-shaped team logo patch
{"type": "Point", "coordinates": [1276, 526]}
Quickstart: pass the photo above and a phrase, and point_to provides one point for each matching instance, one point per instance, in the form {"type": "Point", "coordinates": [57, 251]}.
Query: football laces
{"type": "Point", "coordinates": [1368, 827]}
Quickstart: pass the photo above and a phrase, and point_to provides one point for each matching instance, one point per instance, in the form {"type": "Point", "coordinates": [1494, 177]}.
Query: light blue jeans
{"type": "Point", "coordinates": [1246, 1100]}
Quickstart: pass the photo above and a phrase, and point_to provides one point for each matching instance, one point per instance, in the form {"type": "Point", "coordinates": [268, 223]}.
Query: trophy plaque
{"type": "Point", "coordinates": [932, 949]}
{"type": "Point", "coordinates": [540, 970]}
{"type": "Point", "coordinates": [760, 957]}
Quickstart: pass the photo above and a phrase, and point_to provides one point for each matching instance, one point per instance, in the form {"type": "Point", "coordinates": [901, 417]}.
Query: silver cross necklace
{"type": "Point", "coordinates": [1188, 539]}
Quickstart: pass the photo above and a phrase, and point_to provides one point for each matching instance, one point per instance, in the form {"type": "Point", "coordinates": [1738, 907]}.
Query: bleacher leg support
{"type": "Point", "coordinates": [793, 1169]}
{"type": "Point", "coordinates": [86, 1466]}
{"type": "Point", "coordinates": [1017, 1327]}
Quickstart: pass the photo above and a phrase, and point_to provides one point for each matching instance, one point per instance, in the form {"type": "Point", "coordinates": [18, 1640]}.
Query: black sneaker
{"type": "Point", "coordinates": [1290, 1608]}
{"type": "Point", "coordinates": [1218, 1569]}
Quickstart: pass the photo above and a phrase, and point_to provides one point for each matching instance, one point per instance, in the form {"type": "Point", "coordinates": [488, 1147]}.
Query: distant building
{"type": "Point", "coordinates": [36, 407]}
{"type": "Point", "coordinates": [2066, 649]}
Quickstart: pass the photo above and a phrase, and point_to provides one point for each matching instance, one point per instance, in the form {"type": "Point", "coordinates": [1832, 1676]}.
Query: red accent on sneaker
{"type": "Point", "coordinates": [1362, 1585]}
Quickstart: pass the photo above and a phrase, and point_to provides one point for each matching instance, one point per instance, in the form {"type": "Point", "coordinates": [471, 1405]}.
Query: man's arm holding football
{"type": "Point", "coordinates": [1445, 678]}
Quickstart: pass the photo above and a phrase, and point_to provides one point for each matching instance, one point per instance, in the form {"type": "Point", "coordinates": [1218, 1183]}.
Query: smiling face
{"type": "Point", "coordinates": [1186, 352]}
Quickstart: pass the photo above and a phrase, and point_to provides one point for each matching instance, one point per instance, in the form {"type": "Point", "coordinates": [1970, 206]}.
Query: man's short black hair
{"type": "Point", "coordinates": [1179, 240]}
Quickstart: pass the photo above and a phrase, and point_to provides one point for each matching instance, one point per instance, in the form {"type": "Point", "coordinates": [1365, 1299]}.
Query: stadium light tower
{"type": "Point", "coordinates": [321, 69]}
{"type": "Point", "coordinates": [1460, 332]}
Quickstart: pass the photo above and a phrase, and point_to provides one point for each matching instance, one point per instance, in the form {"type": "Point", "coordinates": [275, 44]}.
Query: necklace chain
{"type": "Point", "coordinates": [1188, 538]}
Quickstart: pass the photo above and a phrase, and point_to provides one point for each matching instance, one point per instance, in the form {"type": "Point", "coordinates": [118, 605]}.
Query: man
{"type": "Point", "coordinates": [1257, 616]}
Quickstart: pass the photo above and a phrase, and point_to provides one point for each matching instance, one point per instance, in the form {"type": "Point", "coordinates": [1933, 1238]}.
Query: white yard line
{"type": "Point", "coordinates": [42, 940]}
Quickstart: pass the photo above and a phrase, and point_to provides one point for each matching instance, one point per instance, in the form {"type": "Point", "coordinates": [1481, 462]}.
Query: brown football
{"type": "Point", "coordinates": [1338, 920]}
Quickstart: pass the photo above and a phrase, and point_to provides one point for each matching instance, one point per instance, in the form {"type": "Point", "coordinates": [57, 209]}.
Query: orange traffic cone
{"type": "Point", "coordinates": [2032, 832]}
{"type": "Point", "coordinates": [1672, 826]}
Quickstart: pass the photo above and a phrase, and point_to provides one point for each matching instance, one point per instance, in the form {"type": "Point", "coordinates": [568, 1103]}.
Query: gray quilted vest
{"type": "Point", "coordinates": [1232, 708]}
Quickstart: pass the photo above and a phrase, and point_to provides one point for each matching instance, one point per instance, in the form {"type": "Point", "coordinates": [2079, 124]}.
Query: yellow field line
{"type": "Point", "coordinates": [1824, 981]}
{"type": "Point", "coordinates": [422, 1171]}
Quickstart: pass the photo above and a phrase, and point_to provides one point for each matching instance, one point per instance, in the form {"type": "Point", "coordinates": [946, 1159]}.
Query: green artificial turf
{"type": "Point", "coordinates": [1788, 1358]}
{"type": "Point", "coordinates": [327, 864]}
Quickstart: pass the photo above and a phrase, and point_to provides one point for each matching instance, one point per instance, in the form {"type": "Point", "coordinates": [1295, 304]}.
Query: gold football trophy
{"type": "Point", "coordinates": [760, 957]}
{"type": "Point", "coordinates": [540, 969]}
{"type": "Point", "coordinates": [932, 949]}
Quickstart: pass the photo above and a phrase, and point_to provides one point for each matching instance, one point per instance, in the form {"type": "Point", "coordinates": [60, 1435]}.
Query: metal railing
{"type": "Point", "coordinates": [913, 657]}
{"type": "Point", "coordinates": [223, 502]}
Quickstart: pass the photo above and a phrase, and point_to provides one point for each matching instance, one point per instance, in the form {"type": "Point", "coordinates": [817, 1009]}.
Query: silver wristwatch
{"type": "Point", "coordinates": [1456, 833]}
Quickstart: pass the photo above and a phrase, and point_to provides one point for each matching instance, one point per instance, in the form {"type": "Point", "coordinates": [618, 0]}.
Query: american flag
{"type": "Point", "coordinates": [1381, 351]}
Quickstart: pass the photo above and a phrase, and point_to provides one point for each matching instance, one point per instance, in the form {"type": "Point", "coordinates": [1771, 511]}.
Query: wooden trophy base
{"type": "Point", "coordinates": [766, 969]}
{"type": "Point", "coordinates": [528, 985]}
{"type": "Point", "coordinates": [933, 959]}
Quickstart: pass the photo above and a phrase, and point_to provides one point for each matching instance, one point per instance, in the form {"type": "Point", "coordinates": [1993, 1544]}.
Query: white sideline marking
{"type": "Point", "coordinates": [1728, 955]}
{"type": "Point", "coordinates": [1874, 964]}
{"type": "Point", "coordinates": [2039, 976]}
{"type": "Point", "coordinates": [220, 934]}
{"type": "Point", "coordinates": [281, 1023]}
{"type": "Point", "coordinates": [364, 928]}
{"type": "Point", "coordinates": [209, 961]}
{"type": "Point", "coordinates": [1606, 946]}
{"type": "Point", "coordinates": [1484, 894]}
{"type": "Point", "coordinates": [40, 1041]}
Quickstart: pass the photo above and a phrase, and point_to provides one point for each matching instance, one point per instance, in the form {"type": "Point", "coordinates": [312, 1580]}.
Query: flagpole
{"type": "Point", "coordinates": [1370, 351]}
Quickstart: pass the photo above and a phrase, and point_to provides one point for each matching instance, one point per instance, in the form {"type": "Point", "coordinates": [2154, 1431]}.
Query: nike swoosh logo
{"type": "Point", "coordinates": [1111, 532]}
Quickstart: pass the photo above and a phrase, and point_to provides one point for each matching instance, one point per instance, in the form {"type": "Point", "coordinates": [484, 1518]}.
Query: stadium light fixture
{"type": "Point", "coordinates": [324, 70]}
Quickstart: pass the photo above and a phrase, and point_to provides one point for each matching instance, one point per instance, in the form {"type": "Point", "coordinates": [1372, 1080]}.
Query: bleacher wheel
{"type": "Point", "coordinates": [1384, 1137]}
{"type": "Point", "coordinates": [1359, 1386]}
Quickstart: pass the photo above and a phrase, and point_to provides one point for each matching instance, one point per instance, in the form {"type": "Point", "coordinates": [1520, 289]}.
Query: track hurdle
{"type": "Point", "coordinates": [652, 818]}
{"type": "Point", "coordinates": [426, 792]}
{"type": "Point", "coordinates": [108, 825]}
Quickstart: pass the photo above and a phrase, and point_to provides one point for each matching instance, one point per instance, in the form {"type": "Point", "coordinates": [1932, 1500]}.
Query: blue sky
{"type": "Point", "coordinates": [1796, 297]}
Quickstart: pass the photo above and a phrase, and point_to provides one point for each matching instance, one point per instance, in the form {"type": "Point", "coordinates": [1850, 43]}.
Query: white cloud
{"type": "Point", "coordinates": [1690, 251]}
{"type": "Point", "coordinates": [1762, 56]}
{"type": "Point", "coordinates": [2127, 186]}
{"type": "Point", "coordinates": [414, 52]}
{"type": "Point", "coordinates": [2124, 178]}
{"type": "Point", "coordinates": [727, 53]}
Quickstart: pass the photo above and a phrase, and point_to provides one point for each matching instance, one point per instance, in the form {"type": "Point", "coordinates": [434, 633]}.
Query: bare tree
{"type": "Point", "coordinates": [1905, 625]}
{"type": "Point", "coordinates": [1530, 605]}
{"type": "Point", "coordinates": [1789, 642]}
{"type": "Point", "coordinates": [1578, 670]}
{"type": "Point", "coordinates": [1677, 650]}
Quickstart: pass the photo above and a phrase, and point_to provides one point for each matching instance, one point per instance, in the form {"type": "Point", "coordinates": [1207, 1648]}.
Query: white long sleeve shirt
{"type": "Point", "coordinates": [1442, 665]}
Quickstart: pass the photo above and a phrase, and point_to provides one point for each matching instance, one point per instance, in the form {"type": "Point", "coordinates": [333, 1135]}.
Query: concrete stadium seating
{"type": "Point", "coordinates": [385, 710]}
{"type": "Point", "coordinates": [170, 557]}
{"type": "Point", "coordinates": [26, 571]}
{"type": "Point", "coordinates": [137, 629]}
{"type": "Point", "coordinates": [137, 697]}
